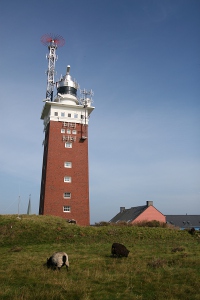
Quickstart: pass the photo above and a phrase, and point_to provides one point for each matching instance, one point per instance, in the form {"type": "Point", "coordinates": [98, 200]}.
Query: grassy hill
{"type": "Point", "coordinates": [163, 263]}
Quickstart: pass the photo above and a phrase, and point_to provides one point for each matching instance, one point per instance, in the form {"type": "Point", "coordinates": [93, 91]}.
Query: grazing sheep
{"type": "Point", "coordinates": [58, 260]}
{"type": "Point", "coordinates": [192, 231]}
{"type": "Point", "coordinates": [72, 221]}
{"type": "Point", "coordinates": [119, 250]}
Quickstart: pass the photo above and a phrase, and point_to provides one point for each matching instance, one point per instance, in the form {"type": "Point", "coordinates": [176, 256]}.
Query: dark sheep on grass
{"type": "Point", "coordinates": [119, 250]}
{"type": "Point", "coordinates": [192, 231]}
{"type": "Point", "coordinates": [57, 261]}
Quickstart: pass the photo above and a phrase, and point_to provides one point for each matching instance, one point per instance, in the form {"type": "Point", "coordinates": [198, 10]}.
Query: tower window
{"type": "Point", "coordinates": [66, 209]}
{"type": "Point", "coordinates": [62, 130]}
{"type": "Point", "coordinates": [73, 131]}
{"type": "Point", "coordinates": [67, 179]}
{"type": "Point", "coordinates": [56, 113]}
{"type": "Point", "coordinates": [68, 145]}
{"type": "Point", "coordinates": [75, 115]}
{"type": "Point", "coordinates": [67, 195]}
{"type": "Point", "coordinates": [69, 115]}
{"type": "Point", "coordinates": [67, 164]}
{"type": "Point", "coordinates": [68, 131]}
{"type": "Point", "coordinates": [62, 114]}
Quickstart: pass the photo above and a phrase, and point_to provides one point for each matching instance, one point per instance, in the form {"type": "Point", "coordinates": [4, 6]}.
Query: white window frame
{"type": "Point", "coordinates": [69, 115]}
{"type": "Point", "coordinates": [68, 131]}
{"type": "Point", "coordinates": [66, 208]}
{"type": "Point", "coordinates": [67, 195]}
{"type": "Point", "coordinates": [68, 164]}
{"type": "Point", "coordinates": [67, 179]}
{"type": "Point", "coordinates": [62, 114]}
{"type": "Point", "coordinates": [75, 115]}
{"type": "Point", "coordinates": [62, 130]}
{"type": "Point", "coordinates": [68, 145]}
{"type": "Point", "coordinates": [74, 131]}
{"type": "Point", "coordinates": [56, 114]}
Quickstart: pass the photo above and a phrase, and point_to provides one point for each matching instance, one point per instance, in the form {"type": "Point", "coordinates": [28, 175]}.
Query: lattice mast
{"type": "Point", "coordinates": [52, 41]}
{"type": "Point", "coordinates": [86, 99]}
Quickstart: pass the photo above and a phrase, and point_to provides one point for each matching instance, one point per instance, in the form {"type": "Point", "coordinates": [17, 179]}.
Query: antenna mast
{"type": "Point", "coordinates": [86, 97]}
{"type": "Point", "coordinates": [86, 101]}
{"type": "Point", "coordinates": [52, 41]}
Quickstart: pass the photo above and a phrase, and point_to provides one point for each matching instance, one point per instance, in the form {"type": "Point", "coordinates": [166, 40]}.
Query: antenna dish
{"type": "Point", "coordinates": [49, 38]}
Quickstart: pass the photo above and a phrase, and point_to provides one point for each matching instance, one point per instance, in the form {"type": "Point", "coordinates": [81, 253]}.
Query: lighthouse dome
{"type": "Point", "coordinates": [67, 89]}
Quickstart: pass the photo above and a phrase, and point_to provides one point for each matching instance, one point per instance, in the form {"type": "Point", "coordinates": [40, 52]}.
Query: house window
{"type": "Point", "coordinates": [68, 131]}
{"type": "Point", "coordinates": [66, 209]}
{"type": "Point", "coordinates": [67, 195]}
{"type": "Point", "coordinates": [67, 179]}
{"type": "Point", "coordinates": [75, 115]}
{"type": "Point", "coordinates": [67, 164]}
{"type": "Point", "coordinates": [69, 115]}
{"type": "Point", "coordinates": [82, 116]}
{"type": "Point", "coordinates": [73, 131]}
{"type": "Point", "coordinates": [56, 113]}
{"type": "Point", "coordinates": [62, 114]}
{"type": "Point", "coordinates": [62, 130]}
{"type": "Point", "coordinates": [68, 145]}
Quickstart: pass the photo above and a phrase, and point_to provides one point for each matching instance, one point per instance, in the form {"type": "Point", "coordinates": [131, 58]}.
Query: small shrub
{"type": "Point", "coordinates": [102, 223]}
{"type": "Point", "coordinates": [145, 223]}
{"type": "Point", "coordinates": [16, 249]}
{"type": "Point", "coordinates": [178, 249]}
{"type": "Point", "coordinates": [157, 263]}
{"type": "Point", "coordinates": [122, 223]}
{"type": "Point", "coordinates": [153, 223]}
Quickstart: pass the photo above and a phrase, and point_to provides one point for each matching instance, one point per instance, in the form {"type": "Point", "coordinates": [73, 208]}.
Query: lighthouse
{"type": "Point", "coordinates": [65, 171]}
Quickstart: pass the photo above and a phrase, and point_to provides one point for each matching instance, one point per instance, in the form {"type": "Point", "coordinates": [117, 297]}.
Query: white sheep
{"type": "Point", "coordinates": [58, 260]}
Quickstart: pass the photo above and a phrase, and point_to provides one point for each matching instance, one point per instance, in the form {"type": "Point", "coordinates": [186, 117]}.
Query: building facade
{"type": "Point", "coordinates": [65, 172]}
{"type": "Point", "coordinates": [139, 214]}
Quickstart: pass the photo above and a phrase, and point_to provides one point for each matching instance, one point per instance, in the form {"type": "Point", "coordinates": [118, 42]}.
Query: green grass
{"type": "Point", "coordinates": [163, 263]}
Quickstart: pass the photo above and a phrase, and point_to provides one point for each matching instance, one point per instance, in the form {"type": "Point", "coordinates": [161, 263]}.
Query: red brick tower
{"type": "Point", "coordinates": [65, 177]}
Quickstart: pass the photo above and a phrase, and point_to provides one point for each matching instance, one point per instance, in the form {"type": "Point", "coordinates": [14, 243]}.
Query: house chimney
{"type": "Point", "coordinates": [122, 209]}
{"type": "Point", "coordinates": [149, 203]}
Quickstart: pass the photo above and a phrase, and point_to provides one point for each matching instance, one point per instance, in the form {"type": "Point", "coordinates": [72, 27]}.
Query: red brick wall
{"type": "Point", "coordinates": [150, 214]}
{"type": "Point", "coordinates": [53, 185]}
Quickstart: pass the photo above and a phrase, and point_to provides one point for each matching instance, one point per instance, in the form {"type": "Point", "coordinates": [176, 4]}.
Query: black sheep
{"type": "Point", "coordinates": [119, 250]}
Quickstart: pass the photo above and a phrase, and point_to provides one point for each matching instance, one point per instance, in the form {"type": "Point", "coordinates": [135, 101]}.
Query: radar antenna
{"type": "Point", "coordinates": [52, 41]}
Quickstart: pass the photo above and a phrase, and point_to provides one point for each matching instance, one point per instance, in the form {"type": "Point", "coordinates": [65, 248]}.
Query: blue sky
{"type": "Point", "coordinates": [141, 58]}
